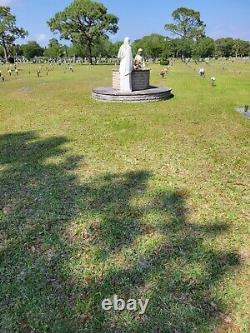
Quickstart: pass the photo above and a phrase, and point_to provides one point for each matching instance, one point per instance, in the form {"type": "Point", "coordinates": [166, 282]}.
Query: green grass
{"type": "Point", "coordinates": [138, 200]}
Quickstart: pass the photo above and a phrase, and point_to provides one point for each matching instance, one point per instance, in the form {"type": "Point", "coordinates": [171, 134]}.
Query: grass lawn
{"type": "Point", "coordinates": [138, 200]}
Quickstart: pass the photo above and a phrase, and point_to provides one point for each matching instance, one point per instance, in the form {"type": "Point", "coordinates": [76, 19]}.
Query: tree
{"type": "Point", "coordinates": [153, 45]}
{"type": "Point", "coordinates": [1, 51]}
{"type": "Point", "coordinates": [75, 50]}
{"type": "Point", "coordinates": [54, 50]}
{"type": "Point", "coordinates": [16, 49]}
{"type": "Point", "coordinates": [203, 48]}
{"type": "Point", "coordinates": [103, 48]}
{"type": "Point", "coordinates": [84, 22]}
{"type": "Point", "coordinates": [241, 48]}
{"type": "Point", "coordinates": [224, 47]}
{"type": "Point", "coordinates": [32, 49]}
{"type": "Point", "coordinates": [187, 24]}
{"type": "Point", "coordinates": [181, 47]}
{"type": "Point", "coordinates": [115, 48]}
{"type": "Point", "coordinates": [9, 32]}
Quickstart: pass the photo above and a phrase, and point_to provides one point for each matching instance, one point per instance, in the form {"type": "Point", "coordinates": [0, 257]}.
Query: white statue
{"type": "Point", "coordinates": [126, 66]}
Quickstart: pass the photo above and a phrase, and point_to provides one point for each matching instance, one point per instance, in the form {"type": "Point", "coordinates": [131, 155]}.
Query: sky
{"type": "Point", "coordinates": [224, 18]}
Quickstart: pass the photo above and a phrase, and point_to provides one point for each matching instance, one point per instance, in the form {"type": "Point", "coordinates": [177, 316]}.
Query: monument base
{"type": "Point", "coordinates": [140, 79]}
{"type": "Point", "coordinates": [151, 94]}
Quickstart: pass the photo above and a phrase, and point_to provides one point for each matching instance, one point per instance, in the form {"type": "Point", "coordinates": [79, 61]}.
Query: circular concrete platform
{"type": "Point", "coordinates": [151, 94]}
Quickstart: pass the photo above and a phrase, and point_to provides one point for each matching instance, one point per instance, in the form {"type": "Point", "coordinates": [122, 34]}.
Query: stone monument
{"type": "Point", "coordinates": [131, 82]}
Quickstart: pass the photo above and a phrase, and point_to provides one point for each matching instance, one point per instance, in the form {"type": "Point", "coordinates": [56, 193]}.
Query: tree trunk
{"type": "Point", "coordinates": [90, 53]}
{"type": "Point", "coordinates": [5, 50]}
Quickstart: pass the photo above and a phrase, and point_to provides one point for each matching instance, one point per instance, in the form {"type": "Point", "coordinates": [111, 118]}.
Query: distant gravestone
{"type": "Point", "coordinates": [213, 79]}
{"type": "Point", "coordinates": [202, 72]}
{"type": "Point", "coordinates": [244, 110]}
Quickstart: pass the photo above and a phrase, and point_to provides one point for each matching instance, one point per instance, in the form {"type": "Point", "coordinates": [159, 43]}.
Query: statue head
{"type": "Point", "coordinates": [127, 41]}
{"type": "Point", "coordinates": [140, 51]}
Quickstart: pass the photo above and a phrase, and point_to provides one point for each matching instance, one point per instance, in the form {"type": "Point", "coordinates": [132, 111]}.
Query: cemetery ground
{"type": "Point", "coordinates": [138, 200]}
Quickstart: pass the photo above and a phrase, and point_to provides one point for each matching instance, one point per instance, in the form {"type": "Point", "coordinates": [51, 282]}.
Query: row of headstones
{"type": "Point", "coordinates": [60, 61]}
{"type": "Point", "coordinates": [15, 71]}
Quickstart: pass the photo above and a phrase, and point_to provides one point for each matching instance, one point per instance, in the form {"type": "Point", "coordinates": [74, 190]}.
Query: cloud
{"type": "Point", "coordinates": [5, 2]}
{"type": "Point", "coordinates": [41, 37]}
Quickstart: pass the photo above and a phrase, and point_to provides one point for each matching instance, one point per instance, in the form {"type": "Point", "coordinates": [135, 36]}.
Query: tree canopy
{"type": "Point", "coordinates": [54, 49]}
{"type": "Point", "coordinates": [9, 32]}
{"type": "Point", "coordinates": [152, 45]}
{"type": "Point", "coordinates": [31, 50]}
{"type": "Point", "coordinates": [227, 47]}
{"type": "Point", "coordinates": [187, 24]}
{"type": "Point", "coordinates": [203, 48]}
{"type": "Point", "coordinates": [84, 22]}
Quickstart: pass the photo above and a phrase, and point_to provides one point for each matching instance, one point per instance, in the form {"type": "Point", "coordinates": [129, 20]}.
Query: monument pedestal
{"type": "Point", "coordinates": [141, 89]}
{"type": "Point", "coordinates": [152, 94]}
{"type": "Point", "coordinates": [140, 79]}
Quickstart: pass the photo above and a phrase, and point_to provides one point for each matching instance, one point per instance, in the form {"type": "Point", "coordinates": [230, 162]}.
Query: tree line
{"type": "Point", "coordinates": [88, 25]}
{"type": "Point", "coordinates": [56, 50]}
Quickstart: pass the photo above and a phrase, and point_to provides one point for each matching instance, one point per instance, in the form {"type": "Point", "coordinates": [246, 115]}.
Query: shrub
{"type": "Point", "coordinates": [164, 62]}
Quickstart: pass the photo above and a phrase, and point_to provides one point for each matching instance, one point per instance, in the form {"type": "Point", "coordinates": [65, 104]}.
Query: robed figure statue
{"type": "Point", "coordinates": [126, 66]}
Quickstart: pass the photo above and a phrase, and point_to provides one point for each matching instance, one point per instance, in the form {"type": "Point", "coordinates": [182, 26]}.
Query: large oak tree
{"type": "Point", "coordinates": [84, 22]}
{"type": "Point", "coordinates": [9, 32]}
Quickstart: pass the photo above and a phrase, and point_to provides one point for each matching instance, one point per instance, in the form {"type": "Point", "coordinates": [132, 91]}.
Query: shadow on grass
{"type": "Point", "coordinates": [66, 245]}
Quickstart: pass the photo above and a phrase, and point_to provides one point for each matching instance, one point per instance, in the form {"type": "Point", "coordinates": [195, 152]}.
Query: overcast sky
{"type": "Point", "coordinates": [224, 18]}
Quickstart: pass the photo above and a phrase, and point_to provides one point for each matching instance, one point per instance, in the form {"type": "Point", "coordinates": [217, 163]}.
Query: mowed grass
{"type": "Point", "coordinates": [138, 200]}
